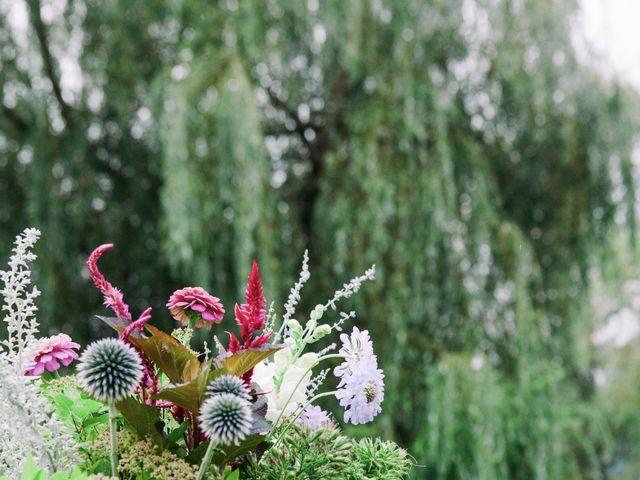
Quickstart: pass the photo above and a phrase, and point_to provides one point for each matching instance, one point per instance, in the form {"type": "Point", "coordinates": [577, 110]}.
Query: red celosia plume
{"type": "Point", "coordinates": [251, 318]}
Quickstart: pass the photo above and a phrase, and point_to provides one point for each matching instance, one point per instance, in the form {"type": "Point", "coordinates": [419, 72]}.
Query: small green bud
{"type": "Point", "coordinates": [321, 331]}
{"type": "Point", "coordinates": [294, 327]}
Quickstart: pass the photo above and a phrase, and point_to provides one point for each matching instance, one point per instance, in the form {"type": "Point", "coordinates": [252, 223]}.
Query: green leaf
{"type": "Point", "coordinates": [144, 419]}
{"type": "Point", "coordinates": [179, 363]}
{"type": "Point", "coordinates": [117, 323]}
{"type": "Point", "coordinates": [197, 454]}
{"type": "Point", "coordinates": [78, 474]}
{"type": "Point", "coordinates": [87, 406]}
{"type": "Point", "coordinates": [231, 452]}
{"type": "Point", "coordinates": [243, 361]}
{"type": "Point", "coordinates": [231, 475]}
{"type": "Point", "coordinates": [97, 419]}
{"type": "Point", "coordinates": [61, 476]}
{"type": "Point", "coordinates": [190, 395]}
{"type": "Point", "coordinates": [177, 434]}
{"type": "Point", "coordinates": [31, 471]}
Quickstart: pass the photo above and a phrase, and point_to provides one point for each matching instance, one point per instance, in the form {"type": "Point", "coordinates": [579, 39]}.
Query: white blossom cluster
{"type": "Point", "coordinates": [28, 425]}
{"type": "Point", "coordinates": [287, 377]}
{"type": "Point", "coordinates": [18, 306]}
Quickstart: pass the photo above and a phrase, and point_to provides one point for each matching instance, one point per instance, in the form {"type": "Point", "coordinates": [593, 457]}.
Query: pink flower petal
{"type": "Point", "coordinates": [66, 361]}
{"type": "Point", "coordinates": [37, 370]}
{"type": "Point", "coordinates": [52, 365]}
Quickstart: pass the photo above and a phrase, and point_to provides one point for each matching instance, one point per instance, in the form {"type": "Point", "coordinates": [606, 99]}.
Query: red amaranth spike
{"type": "Point", "coordinates": [113, 299]}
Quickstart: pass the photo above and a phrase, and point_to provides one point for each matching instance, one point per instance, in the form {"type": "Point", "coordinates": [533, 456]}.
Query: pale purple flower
{"type": "Point", "coordinates": [355, 347]}
{"type": "Point", "coordinates": [361, 391]}
{"type": "Point", "coordinates": [51, 353]}
{"type": "Point", "coordinates": [314, 418]}
{"type": "Point", "coordinates": [193, 305]}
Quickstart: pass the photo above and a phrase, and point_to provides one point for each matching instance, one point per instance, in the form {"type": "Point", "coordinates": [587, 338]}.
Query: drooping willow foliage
{"type": "Point", "coordinates": [458, 145]}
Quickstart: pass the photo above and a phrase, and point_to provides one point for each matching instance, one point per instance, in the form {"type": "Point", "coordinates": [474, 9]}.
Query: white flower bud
{"type": "Point", "coordinates": [321, 331]}
{"type": "Point", "coordinates": [317, 312]}
{"type": "Point", "coordinates": [294, 326]}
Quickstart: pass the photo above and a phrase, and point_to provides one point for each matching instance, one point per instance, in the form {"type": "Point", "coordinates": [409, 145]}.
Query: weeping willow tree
{"type": "Point", "coordinates": [460, 146]}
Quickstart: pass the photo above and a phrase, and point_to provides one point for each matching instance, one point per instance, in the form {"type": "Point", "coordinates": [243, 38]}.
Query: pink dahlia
{"type": "Point", "coordinates": [51, 353]}
{"type": "Point", "coordinates": [192, 305]}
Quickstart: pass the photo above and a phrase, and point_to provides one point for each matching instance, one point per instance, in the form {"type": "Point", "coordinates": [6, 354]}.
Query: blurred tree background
{"type": "Point", "coordinates": [458, 145]}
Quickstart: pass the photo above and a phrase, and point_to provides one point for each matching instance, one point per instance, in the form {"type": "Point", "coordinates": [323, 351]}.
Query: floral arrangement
{"type": "Point", "coordinates": [143, 404]}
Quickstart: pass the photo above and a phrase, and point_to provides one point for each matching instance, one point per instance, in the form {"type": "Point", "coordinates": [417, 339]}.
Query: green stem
{"type": "Point", "coordinates": [112, 432]}
{"type": "Point", "coordinates": [204, 466]}
{"type": "Point", "coordinates": [293, 420]}
{"type": "Point", "coordinates": [314, 365]}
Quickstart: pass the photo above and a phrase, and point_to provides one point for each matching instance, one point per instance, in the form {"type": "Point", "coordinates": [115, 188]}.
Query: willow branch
{"type": "Point", "coordinates": [47, 58]}
{"type": "Point", "coordinates": [19, 123]}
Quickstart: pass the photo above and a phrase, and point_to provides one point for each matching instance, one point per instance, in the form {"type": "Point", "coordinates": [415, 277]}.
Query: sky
{"type": "Point", "coordinates": [612, 29]}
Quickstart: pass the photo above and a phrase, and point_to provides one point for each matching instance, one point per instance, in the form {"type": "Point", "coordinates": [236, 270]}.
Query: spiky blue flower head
{"type": "Point", "coordinates": [229, 384]}
{"type": "Point", "coordinates": [226, 418]}
{"type": "Point", "coordinates": [109, 370]}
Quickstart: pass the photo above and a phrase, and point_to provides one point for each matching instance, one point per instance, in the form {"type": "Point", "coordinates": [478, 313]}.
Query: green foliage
{"type": "Point", "coordinates": [140, 460]}
{"type": "Point", "coordinates": [327, 454]}
{"type": "Point", "coordinates": [31, 471]}
{"type": "Point", "coordinates": [381, 460]}
{"type": "Point", "coordinates": [83, 415]}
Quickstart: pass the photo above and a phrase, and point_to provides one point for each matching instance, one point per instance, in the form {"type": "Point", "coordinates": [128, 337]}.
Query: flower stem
{"type": "Point", "coordinates": [206, 460]}
{"type": "Point", "coordinates": [313, 365]}
{"type": "Point", "coordinates": [293, 420]}
{"type": "Point", "coordinates": [112, 433]}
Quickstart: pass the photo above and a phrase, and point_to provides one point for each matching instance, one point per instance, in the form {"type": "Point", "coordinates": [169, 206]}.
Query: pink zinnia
{"type": "Point", "coordinates": [51, 353]}
{"type": "Point", "coordinates": [192, 305]}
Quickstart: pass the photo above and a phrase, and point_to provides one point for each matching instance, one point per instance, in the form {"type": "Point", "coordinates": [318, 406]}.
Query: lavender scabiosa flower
{"type": "Point", "coordinates": [51, 353]}
{"type": "Point", "coordinates": [192, 306]}
{"type": "Point", "coordinates": [314, 418]}
{"type": "Point", "coordinates": [355, 347]}
{"type": "Point", "coordinates": [229, 384]}
{"type": "Point", "coordinates": [109, 370]}
{"type": "Point", "coordinates": [361, 387]}
{"type": "Point", "coordinates": [225, 419]}
{"type": "Point", "coordinates": [362, 391]}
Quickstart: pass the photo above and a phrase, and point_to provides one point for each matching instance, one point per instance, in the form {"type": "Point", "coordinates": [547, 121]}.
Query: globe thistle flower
{"type": "Point", "coordinates": [355, 347]}
{"type": "Point", "coordinates": [362, 391]}
{"type": "Point", "coordinates": [109, 370]}
{"type": "Point", "coordinates": [226, 418]}
{"type": "Point", "coordinates": [52, 353]}
{"type": "Point", "coordinates": [314, 418]}
{"type": "Point", "coordinates": [229, 384]}
{"type": "Point", "coordinates": [193, 305]}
